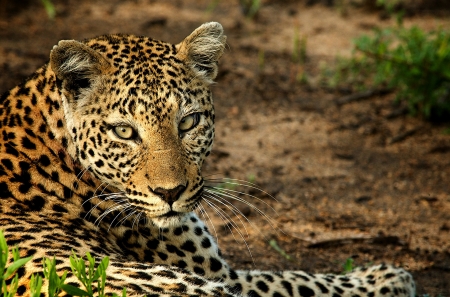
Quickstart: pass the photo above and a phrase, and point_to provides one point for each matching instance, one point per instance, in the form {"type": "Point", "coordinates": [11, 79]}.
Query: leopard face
{"type": "Point", "coordinates": [139, 113]}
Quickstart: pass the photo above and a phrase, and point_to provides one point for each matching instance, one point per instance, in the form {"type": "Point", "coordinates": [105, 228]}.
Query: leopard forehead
{"type": "Point", "coordinates": [149, 71]}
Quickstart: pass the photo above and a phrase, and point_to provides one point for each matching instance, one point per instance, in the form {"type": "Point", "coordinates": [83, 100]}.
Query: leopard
{"type": "Point", "coordinates": [101, 151]}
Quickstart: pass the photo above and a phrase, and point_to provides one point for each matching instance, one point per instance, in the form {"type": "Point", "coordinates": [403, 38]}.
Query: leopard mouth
{"type": "Point", "coordinates": [171, 214]}
{"type": "Point", "coordinates": [190, 205]}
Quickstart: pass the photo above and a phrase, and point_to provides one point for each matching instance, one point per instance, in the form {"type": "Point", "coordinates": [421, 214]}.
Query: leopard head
{"type": "Point", "coordinates": [140, 115]}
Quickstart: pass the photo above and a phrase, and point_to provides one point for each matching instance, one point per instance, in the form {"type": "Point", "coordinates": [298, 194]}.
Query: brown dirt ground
{"type": "Point", "coordinates": [361, 180]}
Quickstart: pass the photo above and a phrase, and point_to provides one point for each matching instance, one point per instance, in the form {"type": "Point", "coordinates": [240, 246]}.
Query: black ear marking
{"type": "Point", "coordinates": [76, 65]}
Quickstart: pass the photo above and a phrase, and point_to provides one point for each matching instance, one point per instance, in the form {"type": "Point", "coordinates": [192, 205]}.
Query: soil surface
{"type": "Point", "coordinates": [360, 180]}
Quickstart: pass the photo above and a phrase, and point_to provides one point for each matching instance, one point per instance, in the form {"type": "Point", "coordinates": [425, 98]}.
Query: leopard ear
{"type": "Point", "coordinates": [76, 65]}
{"type": "Point", "coordinates": [202, 50]}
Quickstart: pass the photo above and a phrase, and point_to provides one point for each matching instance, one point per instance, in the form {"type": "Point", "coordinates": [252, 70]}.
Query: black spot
{"type": "Point", "coordinates": [199, 270]}
{"type": "Point", "coordinates": [11, 150]}
{"type": "Point", "coordinates": [68, 193]}
{"type": "Point", "coordinates": [384, 290]}
{"type": "Point", "coordinates": [276, 294]}
{"type": "Point", "coordinates": [99, 163]}
{"type": "Point", "coordinates": [305, 291]}
{"type": "Point", "coordinates": [33, 99]}
{"type": "Point", "coordinates": [55, 176]}
{"type": "Point", "coordinates": [174, 250]}
{"type": "Point", "coordinates": [166, 274]}
{"type": "Point", "coordinates": [362, 289]}
{"type": "Point", "coordinates": [347, 285]}
{"type": "Point", "coordinates": [215, 264]}
{"type": "Point", "coordinates": [23, 91]}
{"type": "Point", "coordinates": [195, 280]}
{"type": "Point", "coordinates": [21, 290]}
{"type": "Point", "coordinates": [268, 277]}
{"type": "Point", "coordinates": [36, 203]}
{"type": "Point", "coordinates": [287, 285]}
{"type": "Point", "coordinates": [153, 244]}
{"type": "Point", "coordinates": [181, 264]}
{"type": "Point", "coordinates": [28, 144]}
{"type": "Point", "coordinates": [322, 288]}
{"type": "Point", "coordinates": [198, 259]}
{"type": "Point", "coordinates": [8, 164]}
{"type": "Point", "coordinates": [4, 190]}
{"type": "Point", "coordinates": [162, 256]}
{"type": "Point", "coordinates": [262, 286]}
{"type": "Point", "coordinates": [189, 246]}
{"type": "Point", "coordinates": [25, 187]}
{"type": "Point", "coordinates": [206, 243]}
{"type": "Point", "coordinates": [233, 274]}
{"type": "Point", "coordinates": [59, 208]}
{"type": "Point", "coordinates": [44, 160]}
{"type": "Point", "coordinates": [303, 277]}
{"type": "Point", "coordinates": [198, 231]}
{"type": "Point", "coordinates": [178, 231]}
{"type": "Point", "coordinates": [148, 256]}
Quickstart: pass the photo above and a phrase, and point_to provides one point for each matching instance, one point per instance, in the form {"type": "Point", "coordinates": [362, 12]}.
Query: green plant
{"type": "Point", "coordinates": [49, 8]}
{"type": "Point", "coordinates": [299, 57]}
{"type": "Point", "coordinates": [273, 243]}
{"type": "Point", "coordinates": [348, 266]}
{"type": "Point", "coordinates": [410, 61]}
{"type": "Point", "coordinates": [9, 272]}
{"type": "Point", "coordinates": [92, 277]}
{"type": "Point", "coordinates": [250, 7]}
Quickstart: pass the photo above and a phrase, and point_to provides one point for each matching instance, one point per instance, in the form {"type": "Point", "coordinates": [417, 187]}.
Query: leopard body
{"type": "Point", "coordinates": [101, 151]}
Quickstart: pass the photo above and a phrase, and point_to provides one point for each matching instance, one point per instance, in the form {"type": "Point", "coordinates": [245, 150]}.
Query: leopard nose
{"type": "Point", "coordinates": [170, 195]}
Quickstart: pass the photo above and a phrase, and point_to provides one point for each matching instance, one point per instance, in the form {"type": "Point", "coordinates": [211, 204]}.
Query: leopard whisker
{"type": "Point", "coordinates": [237, 198]}
{"type": "Point", "coordinates": [109, 196]}
{"type": "Point", "coordinates": [108, 211]}
{"type": "Point", "coordinates": [231, 207]}
{"type": "Point", "coordinates": [225, 217]}
{"type": "Point", "coordinates": [240, 182]}
{"type": "Point", "coordinates": [245, 194]}
{"type": "Point", "coordinates": [124, 209]}
{"type": "Point", "coordinates": [80, 176]}
{"type": "Point", "coordinates": [209, 218]}
{"type": "Point", "coordinates": [136, 220]}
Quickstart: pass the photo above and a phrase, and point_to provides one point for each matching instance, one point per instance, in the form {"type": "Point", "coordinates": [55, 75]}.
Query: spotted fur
{"type": "Point", "coordinates": [96, 155]}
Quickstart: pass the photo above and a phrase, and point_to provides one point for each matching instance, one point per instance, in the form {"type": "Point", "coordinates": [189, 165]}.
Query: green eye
{"type": "Point", "coordinates": [189, 122]}
{"type": "Point", "coordinates": [124, 132]}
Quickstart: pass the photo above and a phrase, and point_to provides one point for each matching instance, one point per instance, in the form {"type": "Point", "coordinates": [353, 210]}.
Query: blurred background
{"type": "Point", "coordinates": [337, 110]}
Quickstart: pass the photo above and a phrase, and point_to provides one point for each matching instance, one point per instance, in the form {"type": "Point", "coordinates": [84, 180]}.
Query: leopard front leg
{"type": "Point", "coordinates": [162, 281]}
{"type": "Point", "coordinates": [190, 246]}
{"type": "Point", "coordinates": [376, 281]}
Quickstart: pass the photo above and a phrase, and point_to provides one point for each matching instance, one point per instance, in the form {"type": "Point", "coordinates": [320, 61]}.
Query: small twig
{"type": "Point", "coordinates": [396, 113]}
{"type": "Point", "coordinates": [404, 135]}
{"type": "Point", "coordinates": [350, 240]}
{"type": "Point", "coordinates": [273, 243]}
{"type": "Point", "coordinates": [361, 96]}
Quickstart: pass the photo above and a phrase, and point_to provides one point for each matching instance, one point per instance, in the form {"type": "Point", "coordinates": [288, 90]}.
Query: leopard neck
{"type": "Point", "coordinates": [37, 144]}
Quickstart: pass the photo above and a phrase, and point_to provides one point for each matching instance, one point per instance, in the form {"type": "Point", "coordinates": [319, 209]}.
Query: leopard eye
{"type": "Point", "coordinates": [189, 122]}
{"type": "Point", "coordinates": [124, 132]}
